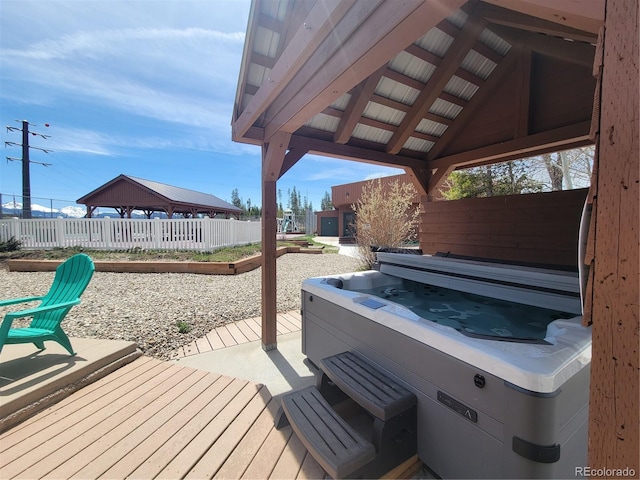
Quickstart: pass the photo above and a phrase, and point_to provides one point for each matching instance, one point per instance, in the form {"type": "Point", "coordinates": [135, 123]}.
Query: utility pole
{"type": "Point", "coordinates": [26, 175]}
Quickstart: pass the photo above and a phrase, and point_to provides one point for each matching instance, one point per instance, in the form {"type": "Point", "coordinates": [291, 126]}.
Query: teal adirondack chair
{"type": "Point", "coordinates": [71, 279]}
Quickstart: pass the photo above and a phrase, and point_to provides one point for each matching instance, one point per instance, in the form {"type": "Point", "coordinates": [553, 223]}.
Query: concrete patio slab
{"type": "Point", "coordinates": [31, 380]}
{"type": "Point", "coordinates": [281, 370]}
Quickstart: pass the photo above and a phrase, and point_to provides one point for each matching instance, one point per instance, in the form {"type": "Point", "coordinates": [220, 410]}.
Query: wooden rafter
{"type": "Point", "coordinates": [292, 157]}
{"type": "Point", "coordinates": [359, 100]}
{"type": "Point", "coordinates": [273, 157]}
{"type": "Point", "coordinates": [304, 43]}
{"type": "Point", "coordinates": [351, 152]}
{"type": "Point", "coordinates": [521, 21]}
{"type": "Point", "coordinates": [575, 52]}
{"type": "Point", "coordinates": [390, 28]}
{"type": "Point", "coordinates": [314, 64]}
{"type": "Point", "coordinates": [504, 68]}
{"type": "Point", "coordinates": [449, 65]}
{"type": "Point", "coordinates": [562, 138]}
{"type": "Point", "coordinates": [523, 102]}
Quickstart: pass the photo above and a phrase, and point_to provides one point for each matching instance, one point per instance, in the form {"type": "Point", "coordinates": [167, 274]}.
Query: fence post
{"type": "Point", "coordinates": [206, 233]}
{"type": "Point", "coordinates": [155, 232]}
{"type": "Point", "coordinates": [15, 228]}
{"type": "Point", "coordinates": [108, 232]}
{"type": "Point", "coordinates": [60, 239]}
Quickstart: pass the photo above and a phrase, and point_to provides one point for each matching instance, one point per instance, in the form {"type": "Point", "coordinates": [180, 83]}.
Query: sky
{"type": "Point", "coordinates": [142, 88]}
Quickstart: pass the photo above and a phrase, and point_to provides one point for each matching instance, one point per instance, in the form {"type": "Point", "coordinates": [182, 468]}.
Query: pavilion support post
{"type": "Point", "coordinates": [269, 231]}
{"type": "Point", "coordinates": [273, 154]}
{"type": "Point", "coordinates": [614, 402]}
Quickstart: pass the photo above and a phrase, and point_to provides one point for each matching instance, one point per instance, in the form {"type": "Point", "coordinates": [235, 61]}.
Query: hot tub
{"type": "Point", "coordinates": [502, 378]}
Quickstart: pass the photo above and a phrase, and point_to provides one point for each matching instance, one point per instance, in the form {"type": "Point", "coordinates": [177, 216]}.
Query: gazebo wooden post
{"type": "Point", "coordinates": [273, 154]}
{"type": "Point", "coordinates": [269, 229]}
{"type": "Point", "coordinates": [613, 404]}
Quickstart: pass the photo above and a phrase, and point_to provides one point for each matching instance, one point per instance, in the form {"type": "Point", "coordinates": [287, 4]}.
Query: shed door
{"type": "Point", "coordinates": [329, 227]}
{"type": "Point", "coordinates": [348, 222]}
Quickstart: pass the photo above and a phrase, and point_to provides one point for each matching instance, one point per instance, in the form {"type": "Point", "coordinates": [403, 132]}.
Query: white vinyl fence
{"type": "Point", "coordinates": [200, 234]}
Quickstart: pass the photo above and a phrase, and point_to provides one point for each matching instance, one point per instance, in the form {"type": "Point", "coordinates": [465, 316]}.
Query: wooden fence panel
{"type": "Point", "coordinates": [199, 234]}
{"type": "Point", "coordinates": [537, 228]}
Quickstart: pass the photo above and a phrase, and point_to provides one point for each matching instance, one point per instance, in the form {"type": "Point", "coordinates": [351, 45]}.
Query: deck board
{"type": "Point", "coordinates": [65, 439]}
{"type": "Point", "coordinates": [226, 336]}
{"type": "Point", "coordinates": [155, 419]}
{"type": "Point", "coordinates": [254, 324]}
{"type": "Point", "coordinates": [203, 345]}
{"type": "Point", "coordinates": [49, 423]}
{"type": "Point", "coordinates": [290, 460]}
{"type": "Point", "coordinates": [237, 333]}
{"type": "Point", "coordinates": [215, 340]}
{"type": "Point", "coordinates": [247, 449]}
{"type": "Point", "coordinates": [183, 437]}
{"type": "Point", "coordinates": [247, 331]}
{"type": "Point", "coordinates": [166, 405]}
{"type": "Point", "coordinates": [214, 458]}
{"type": "Point", "coordinates": [74, 450]}
{"type": "Point", "coordinates": [156, 437]}
{"type": "Point", "coordinates": [264, 462]}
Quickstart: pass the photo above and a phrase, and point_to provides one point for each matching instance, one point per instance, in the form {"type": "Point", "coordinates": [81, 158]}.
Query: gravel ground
{"type": "Point", "coordinates": [145, 307]}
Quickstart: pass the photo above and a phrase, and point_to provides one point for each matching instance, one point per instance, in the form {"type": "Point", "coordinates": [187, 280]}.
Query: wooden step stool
{"type": "Point", "coordinates": [370, 449]}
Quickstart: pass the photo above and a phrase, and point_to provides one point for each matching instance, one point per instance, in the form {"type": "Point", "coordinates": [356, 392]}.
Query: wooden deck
{"type": "Point", "coordinates": [155, 419]}
{"type": "Point", "coordinates": [239, 332]}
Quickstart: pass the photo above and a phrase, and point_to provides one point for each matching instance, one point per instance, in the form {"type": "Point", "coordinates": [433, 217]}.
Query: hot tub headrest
{"type": "Point", "coordinates": [335, 282]}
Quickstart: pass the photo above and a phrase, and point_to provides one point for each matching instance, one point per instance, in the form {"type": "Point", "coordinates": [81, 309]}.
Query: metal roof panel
{"type": "Point", "coordinates": [383, 113]}
{"type": "Point", "coordinates": [371, 134]}
{"type": "Point", "coordinates": [397, 91]}
{"type": "Point", "coordinates": [478, 64]}
{"type": "Point", "coordinates": [460, 88]}
{"type": "Point", "coordinates": [435, 41]}
{"type": "Point", "coordinates": [413, 67]}
{"type": "Point", "coordinates": [183, 195]}
{"type": "Point", "coordinates": [323, 122]}
{"type": "Point", "coordinates": [418, 145]}
{"type": "Point", "coordinates": [445, 109]}
{"type": "Point", "coordinates": [494, 42]}
{"type": "Point", "coordinates": [431, 128]}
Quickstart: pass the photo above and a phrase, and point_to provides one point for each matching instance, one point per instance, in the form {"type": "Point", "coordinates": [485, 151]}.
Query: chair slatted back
{"type": "Point", "coordinates": [70, 281]}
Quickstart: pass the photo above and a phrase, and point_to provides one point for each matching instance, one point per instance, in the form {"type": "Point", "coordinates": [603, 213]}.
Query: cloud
{"type": "Point", "coordinates": [183, 76]}
{"type": "Point", "coordinates": [342, 171]}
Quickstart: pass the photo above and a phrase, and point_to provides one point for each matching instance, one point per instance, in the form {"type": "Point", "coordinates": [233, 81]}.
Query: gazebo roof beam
{"type": "Point", "coordinates": [584, 31]}
{"type": "Point", "coordinates": [351, 152]}
{"type": "Point", "coordinates": [306, 41]}
{"type": "Point", "coordinates": [458, 50]}
{"type": "Point", "coordinates": [389, 29]}
{"type": "Point", "coordinates": [571, 136]}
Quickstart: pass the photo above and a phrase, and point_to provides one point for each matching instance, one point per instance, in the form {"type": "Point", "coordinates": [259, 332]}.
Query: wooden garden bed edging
{"type": "Point", "coordinates": [207, 268]}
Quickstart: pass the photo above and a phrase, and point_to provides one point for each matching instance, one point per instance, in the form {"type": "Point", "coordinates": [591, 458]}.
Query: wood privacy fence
{"type": "Point", "coordinates": [200, 234]}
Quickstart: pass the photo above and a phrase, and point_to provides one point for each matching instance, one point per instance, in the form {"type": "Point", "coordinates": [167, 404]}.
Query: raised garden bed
{"type": "Point", "coordinates": [208, 268]}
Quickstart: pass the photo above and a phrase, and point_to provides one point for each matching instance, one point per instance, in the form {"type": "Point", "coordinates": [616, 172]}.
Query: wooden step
{"type": "Point", "coordinates": [337, 447]}
{"type": "Point", "coordinates": [373, 390]}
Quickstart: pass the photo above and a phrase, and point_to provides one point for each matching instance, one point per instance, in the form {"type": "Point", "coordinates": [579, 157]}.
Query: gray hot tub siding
{"type": "Point", "coordinates": [450, 444]}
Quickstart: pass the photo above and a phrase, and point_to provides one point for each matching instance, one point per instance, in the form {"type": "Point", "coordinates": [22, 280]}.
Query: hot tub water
{"type": "Point", "coordinates": [471, 314]}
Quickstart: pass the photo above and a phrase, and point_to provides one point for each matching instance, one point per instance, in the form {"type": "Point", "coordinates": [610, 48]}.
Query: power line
{"type": "Point", "coordinates": [26, 175]}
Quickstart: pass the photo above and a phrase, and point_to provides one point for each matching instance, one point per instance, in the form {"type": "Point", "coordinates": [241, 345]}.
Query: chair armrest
{"type": "Point", "coordinates": [13, 301]}
{"type": "Point", "coordinates": [33, 311]}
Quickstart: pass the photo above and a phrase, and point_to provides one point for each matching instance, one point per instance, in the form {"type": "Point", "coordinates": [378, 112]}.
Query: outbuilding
{"type": "Point", "coordinates": [126, 194]}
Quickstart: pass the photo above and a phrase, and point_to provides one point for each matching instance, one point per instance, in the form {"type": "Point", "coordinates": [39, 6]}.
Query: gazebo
{"type": "Point", "coordinates": [126, 194]}
{"type": "Point", "coordinates": [435, 86]}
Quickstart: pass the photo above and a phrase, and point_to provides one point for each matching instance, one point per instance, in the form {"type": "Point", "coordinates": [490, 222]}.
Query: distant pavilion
{"type": "Point", "coordinates": [126, 194]}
